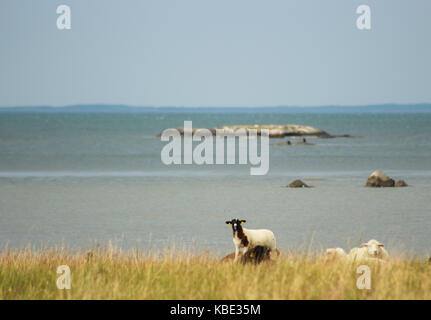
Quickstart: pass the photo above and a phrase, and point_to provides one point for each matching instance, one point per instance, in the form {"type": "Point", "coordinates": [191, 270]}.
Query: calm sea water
{"type": "Point", "coordinates": [76, 179]}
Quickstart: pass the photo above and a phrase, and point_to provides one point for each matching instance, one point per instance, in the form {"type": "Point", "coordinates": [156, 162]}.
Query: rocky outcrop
{"type": "Point", "coordinates": [181, 131]}
{"type": "Point", "coordinates": [401, 183]}
{"type": "Point", "coordinates": [284, 130]}
{"type": "Point", "coordinates": [231, 256]}
{"type": "Point", "coordinates": [298, 184]}
{"type": "Point", "coordinates": [275, 130]}
{"type": "Point", "coordinates": [378, 179]}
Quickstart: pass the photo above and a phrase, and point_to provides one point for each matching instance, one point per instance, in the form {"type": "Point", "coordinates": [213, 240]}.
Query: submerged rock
{"type": "Point", "coordinates": [294, 144]}
{"type": "Point", "coordinates": [379, 179]}
{"type": "Point", "coordinates": [401, 183]}
{"type": "Point", "coordinates": [298, 184]}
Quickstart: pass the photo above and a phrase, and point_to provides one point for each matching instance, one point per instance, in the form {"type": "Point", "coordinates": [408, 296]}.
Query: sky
{"type": "Point", "coordinates": [214, 53]}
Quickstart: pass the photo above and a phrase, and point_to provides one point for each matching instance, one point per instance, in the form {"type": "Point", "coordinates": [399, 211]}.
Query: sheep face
{"type": "Point", "coordinates": [236, 224]}
{"type": "Point", "coordinates": [374, 248]}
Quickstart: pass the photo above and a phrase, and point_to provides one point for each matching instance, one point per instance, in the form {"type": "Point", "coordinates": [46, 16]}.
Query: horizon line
{"type": "Point", "coordinates": [216, 107]}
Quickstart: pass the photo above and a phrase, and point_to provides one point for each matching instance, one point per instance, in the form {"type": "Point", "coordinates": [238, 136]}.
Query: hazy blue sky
{"type": "Point", "coordinates": [215, 53]}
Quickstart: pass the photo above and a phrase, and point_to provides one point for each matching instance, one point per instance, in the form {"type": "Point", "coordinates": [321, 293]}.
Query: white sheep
{"type": "Point", "coordinates": [334, 253]}
{"type": "Point", "coordinates": [248, 238]}
{"type": "Point", "coordinates": [372, 250]}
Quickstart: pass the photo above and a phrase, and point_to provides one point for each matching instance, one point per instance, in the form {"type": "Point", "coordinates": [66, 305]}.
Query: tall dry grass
{"type": "Point", "coordinates": [174, 274]}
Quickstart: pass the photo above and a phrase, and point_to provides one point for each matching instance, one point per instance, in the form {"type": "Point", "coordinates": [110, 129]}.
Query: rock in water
{"type": "Point", "coordinates": [294, 144]}
{"type": "Point", "coordinates": [283, 130]}
{"type": "Point", "coordinates": [298, 184]}
{"type": "Point", "coordinates": [379, 179]}
{"type": "Point", "coordinates": [401, 183]}
{"type": "Point", "coordinates": [275, 130]}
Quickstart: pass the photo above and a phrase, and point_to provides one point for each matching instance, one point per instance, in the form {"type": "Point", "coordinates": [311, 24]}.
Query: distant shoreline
{"type": "Point", "coordinates": [110, 108]}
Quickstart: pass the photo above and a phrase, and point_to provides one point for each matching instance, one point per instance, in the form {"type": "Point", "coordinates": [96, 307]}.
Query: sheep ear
{"type": "Point", "coordinates": [243, 221]}
{"type": "Point", "coordinates": [228, 223]}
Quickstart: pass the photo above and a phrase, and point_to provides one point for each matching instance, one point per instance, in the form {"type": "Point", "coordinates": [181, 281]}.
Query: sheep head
{"type": "Point", "coordinates": [236, 224]}
{"type": "Point", "coordinates": [374, 248]}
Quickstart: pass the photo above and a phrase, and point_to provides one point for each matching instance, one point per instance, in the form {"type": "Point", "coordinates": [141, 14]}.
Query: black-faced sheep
{"type": "Point", "coordinates": [249, 238]}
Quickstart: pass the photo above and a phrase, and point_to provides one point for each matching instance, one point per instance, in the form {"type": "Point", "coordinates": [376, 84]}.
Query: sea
{"type": "Point", "coordinates": [81, 179]}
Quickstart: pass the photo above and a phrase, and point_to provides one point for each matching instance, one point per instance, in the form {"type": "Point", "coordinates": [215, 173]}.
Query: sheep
{"type": "Point", "coordinates": [334, 253]}
{"type": "Point", "coordinates": [372, 250]}
{"type": "Point", "coordinates": [248, 238]}
{"type": "Point", "coordinates": [254, 254]}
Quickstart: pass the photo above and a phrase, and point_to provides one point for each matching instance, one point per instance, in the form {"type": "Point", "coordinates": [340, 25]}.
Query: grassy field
{"type": "Point", "coordinates": [172, 274]}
